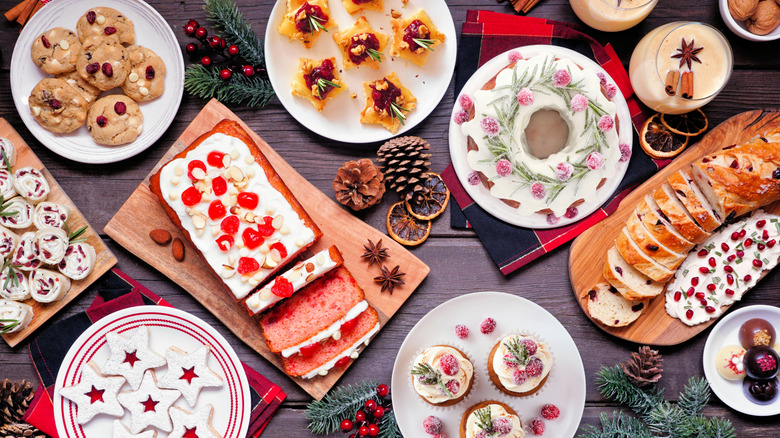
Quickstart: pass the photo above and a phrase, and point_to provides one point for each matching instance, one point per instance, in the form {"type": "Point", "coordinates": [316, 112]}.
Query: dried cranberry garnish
{"type": "Point", "coordinates": [55, 104]}
{"type": "Point", "coordinates": [359, 46]}
{"type": "Point", "coordinates": [734, 165]}
{"type": "Point", "coordinates": [109, 30]}
{"type": "Point", "coordinates": [384, 99]}
{"type": "Point", "coordinates": [323, 71]}
{"type": "Point", "coordinates": [638, 307]}
{"type": "Point", "coordinates": [45, 41]}
{"type": "Point", "coordinates": [149, 73]}
{"type": "Point", "coordinates": [92, 68]}
{"type": "Point", "coordinates": [592, 294]}
{"type": "Point", "coordinates": [102, 121]}
{"type": "Point", "coordinates": [651, 247]}
{"type": "Point", "coordinates": [303, 20]}
{"type": "Point", "coordinates": [107, 69]}
{"type": "Point", "coordinates": [120, 108]}
{"type": "Point", "coordinates": [776, 174]}
{"type": "Point", "coordinates": [413, 31]}
{"type": "Point", "coordinates": [91, 15]}
{"type": "Point", "coordinates": [619, 270]}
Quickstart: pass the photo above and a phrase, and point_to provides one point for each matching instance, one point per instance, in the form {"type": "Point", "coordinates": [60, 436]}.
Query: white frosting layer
{"type": "Point", "coordinates": [292, 233]}
{"type": "Point", "coordinates": [299, 276]}
{"type": "Point", "coordinates": [717, 275]}
{"type": "Point", "coordinates": [496, 411]}
{"type": "Point", "coordinates": [352, 352]}
{"type": "Point", "coordinates": [582, 134]}
{"type": "Point", "coordinates": [23, 216]}
{"type": "Point", "coordinates": [21, 314]}
{"type": "Point", "coordinates": [434, 393]}
{"type": "Point", "coordinates": [505, 373]}
{"type": "Point", "coordinates": [332, 331]}
{"type": "Point", "coordinates": [78, 261]}
{"type": "Point", "coordinates": [47, 286]}
{"type": "Point", "coordinates": [31, 184]}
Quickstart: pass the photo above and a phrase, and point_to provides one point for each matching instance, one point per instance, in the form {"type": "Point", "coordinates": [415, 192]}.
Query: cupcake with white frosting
{"type": "Point", "coordinates": [519, 365]}
{"type": "Point", "coordinates": [491, 419]}
{"type": "Point", "coordinates": [442, 375]}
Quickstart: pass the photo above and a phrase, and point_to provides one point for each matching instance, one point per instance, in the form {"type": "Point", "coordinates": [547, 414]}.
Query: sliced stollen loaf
{"type": "Point", "coordinates": [659, 226]}
{"type": "Point", "coordinates": [643, 263]}
{"type": "Point", "coordinates": [607, 306]}
{"type": "Point", "coordinates": [678, 215]}
{"type": "Point", "coordinates": [694, 200]}
{"type": "Point", "coordinates": [632, 284]}
{"type": "Point", "coordinates": [650, 245]}
{"type": "Point", "coordinates": [739, 179]}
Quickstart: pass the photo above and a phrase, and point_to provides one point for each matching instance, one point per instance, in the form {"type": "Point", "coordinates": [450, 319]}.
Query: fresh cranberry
{"type": "Point", "coordinates": [725, 246]}
{"type": "Point", "coordinates": [219, 186]}
{"type": "Point", "coordinates": [217, 210]}
{"type": "Point", "coordinates": [91, 16]}
{"type": "Point", "coordinates": [215, 159]}
{"type": "Point", "coordinates": [55, 104]}
{"type": "Point", "coordinates": [230, 224]}
{"type": "Point", "coordinates": [252, 238]}
{"type": "Point", "coordinates": [109, 30]}
{"type": "Point", "coordinates": [225, 242]}
{"type": "Point", "coordinates": [107, 70]}
{"type": "Point", "coordinates": [323, 71]}
{"type": "Point", "coordinates": [120, 108]}
{"type": "Point", "coordinates": [689, 313]}
{"type": "Point", "coordinates": [360, 45]}
{"type": "Point", "coordinates": [247, 265]}
{"type": "Point", "coordinates": [383, 99]}
{"type": "Point", "coordinates": [102, 121]}
{"type": "Point", "coordinates": [45, 41]}
{"type": "Point", "coordinates": [305, 14]}
{"type": "Point", "coordinates": [248, 200]}
{"type": "Point", "coordinates": [149, 73]}
{"type": "Point", "coordinates": [413, 31]}
{"type": "Point", "coordinates": [282, 287]}
{"type": "Point", "coordinates": [191, 196]}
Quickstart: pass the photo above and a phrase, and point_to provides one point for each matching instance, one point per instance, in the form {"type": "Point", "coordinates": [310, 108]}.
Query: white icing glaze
{"type": "Point", "coordinates": [52, 244]}
{"type": "Point", "coordinates": [505, 373]}
{"type": "Point", "coordinates": [119, 431]}
{"type": "Point", "coordinates": [299, 276]}
{"type": "Point", "coordinates": [140, 418]}
{"type": "Point", "coordinates": [79, 394]}
{"type": "Point", "coordinates": [176, 377]}
{"type": "Point", "coordinates": [174, 180]}
{"type": "Point", "coordinates": [330, 331]}
{"type": "Point", "coordinates": [496, 411]}
{"type": "Point", "coordinates": [16, 312]}
{"type": "Point", "coordinates": [47, 286]}
{"type": "Point", "coordinates": [323, 369]}
{"type": "Point", "coordinates": [7, 190]}
{"type": "Point", "coordinates": [27, 255]}
{"type": "Point", "coordinates": [50, 214]}
{"type": "Point", "coordinates": [23, 216]}
{"type": "Point", "coordinates": [683, 279]}
{"type": "Point", "coordinates": [8, 241]}
{"type": "Point", "coordinates": [512, 186]}
{"type": "Point", "coordinates": [199, 422]}
{"type": "Point", "coordinates": [78, 261]}
{"type": "Point", "coordinates": [132, 371]}
{"type": "Point", "coordinates": [434, 393]}
{"type": "Point", "coordinates": [8, 147]}
{"type": "Point", "coordinates": [31, 184]}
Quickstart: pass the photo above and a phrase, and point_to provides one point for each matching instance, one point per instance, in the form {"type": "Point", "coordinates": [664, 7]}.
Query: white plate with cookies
{"type": "Point", "coordinates": [564, 386]}
{"type": "Point", "coordinates": [151, 31]}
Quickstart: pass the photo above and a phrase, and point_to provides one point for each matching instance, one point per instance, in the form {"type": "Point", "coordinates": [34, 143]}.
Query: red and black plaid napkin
{"type": "Point", "coordinates": [117, 291]}
{"type": "Point", "coordinates": [488, 34]}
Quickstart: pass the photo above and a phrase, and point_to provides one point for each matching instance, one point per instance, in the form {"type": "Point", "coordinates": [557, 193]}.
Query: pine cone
{"type": "Point", "coordinates": [359, 184]}
{"type": "Point", "coordinates": [20, 430]}
{"type": "Point", "coordinates": [645, 367]}
{"type": "Point", "coordinates": [404, 160]}
{"type": "Point", "coordinates": [15, 398]}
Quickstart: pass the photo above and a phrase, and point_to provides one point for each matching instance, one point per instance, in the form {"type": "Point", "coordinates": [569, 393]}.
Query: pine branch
{"type": "Point", "coordinates": [388, 426]}
{"type": "Point", "coordinates": [719, 428]}
{"type": "Point", "coordinates": [620, 426]}
{"type": "Point", "coordinates": [206, 83]}
{"type": "Point", "coordinates": [695, 396]}
{"type": "Point", "coordinates": [666, 419]}
{"type": "Point", "coordinates": [229, 20]}
{"type": "Point", "coordinates": [325, 415]}
{"type": "Point", "coordinates": [613, 384]}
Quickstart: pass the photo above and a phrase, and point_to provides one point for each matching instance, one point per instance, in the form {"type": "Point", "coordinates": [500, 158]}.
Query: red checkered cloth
{"type": "Point", "coordinates": [117, 291]}
{"type": "Point", "coordinates": [488, 34]}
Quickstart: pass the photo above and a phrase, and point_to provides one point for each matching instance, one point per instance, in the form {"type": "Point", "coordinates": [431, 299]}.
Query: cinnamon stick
{"type": "Point", "coordinates": [530, 5]}
{"type": "Point", "coordinates": [13, 13]}
{"type": "Point", "coordinates": [25, 15]}
{"type": "Point", "coordinates": [37, 8]}
{"type": "Point", "coordinates": [686, 85]}
{"type": "Point", "coordinates": [672, 78]}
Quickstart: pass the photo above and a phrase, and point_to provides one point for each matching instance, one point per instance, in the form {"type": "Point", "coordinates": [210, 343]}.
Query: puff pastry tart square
{"type": "Point", "coordinates": [317, 81]}
{"type": "Point", "coordinates": [353, 6]}
{"type": "Point", "coordinates": [361, 45]}
{"type": "Point", "coordinates": [306, 20]}
{"type": "Point", "coordinates": [387, 102]}
{"type": "Point", "coordinates": [414, 37]}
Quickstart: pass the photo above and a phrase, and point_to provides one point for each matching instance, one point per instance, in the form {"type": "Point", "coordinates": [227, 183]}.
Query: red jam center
{"type": "Point", "coordinates": [323, 71]}
{"type": "Point", "coordinates": [360, 2]}
{"type": "Point", "coordinates": [412, 31]}
{"type": "Point", "coordinates": [362, 42]}
{"type": "Point", "coordinates": [302, 20]}
{"type": "Point", "coordinates": [383, 99]}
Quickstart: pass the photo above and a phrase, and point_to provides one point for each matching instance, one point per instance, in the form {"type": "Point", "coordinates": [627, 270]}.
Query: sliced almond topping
{"type": "Point", "coordinates": [235, 174]}
{"type": "Point", "coordinates": [274, 254]}
{"type": "Point", "coordinates": [244, 278]}
{"type": "Point", "coordinates": [253, 282]}
{"type": "Point", "coordinates": [227, 271]}
{"type": "Point", "coordinates": [199, 221]}
{"type": "Point", "coordinates": [231, 201]}
{"type": "Point", "coordinates": [285, 230]}
{"type": "Point", "coordinates": [232, 191]}
{"type": "Point", "coordinates": [299, 242]}
{"type": "Point", "coordinates": [232, 259]}
{"type": "Point", "coordinates": [178, 170]}
{"type": "Point", "coordinates": [198, 173]}
{"type": "Point", "coordinates": [294, 276]}
{"type": "Point", "coordinates": [320, 260]}
{"type": "Point", "coordinates": [133, 77]}
{"type": "Point", "coordinates": [310, 267]}
{"type": "Point", "coordinates": [260, 260]}
{"type": "Point", "coordinates": [310, 278]}
{"type": "Point", "coordinates": [173, 196]}
{"type": "Point", "coordinates": [250, 172]}
{"type": "Point", "coordinates": [226, 160]}
{"type": "Point", "coordinates": [242, 184]}
{"type": "Point", "coordinates": [205, 197]}
{"type": "Point", "coordinates": [240, 243]}
{"type": "Point", "coordinates": [215, 230]}
{"type": "Point", "coordinates": [249, 216]}
{"type": "Point", "coordinates": [249, 159]}
{"type": "Point", "coordinates": [201, 186]}
{"type": "Point", "coordinates": [270, 263]}
{"type": "Point", "coordinates": [265, 294]}
{"type": "Point", "coordinates": [175, 180]}
{"type": "Point", "coordinates": [278, 222]}
{"type": "Point", "coordinates": [234, 154]}
{"type": "Point", "coordinates": [264, 248]}
{"type": "Point", "coordinates": [243, 252]}
{"type": "Point", "coordinates": [258, 276]}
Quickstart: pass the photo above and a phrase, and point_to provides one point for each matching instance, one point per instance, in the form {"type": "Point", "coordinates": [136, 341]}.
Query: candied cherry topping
{"type": "Point", "coordinates": [302, 20]}
{"type": "Point", "coordinates": [190, 197]}
{"type": "Point", "coordinates": [384, 98]}
{"type": "Point", "coordinates": [214, 159]}
{"type": "Point", "coordinates": [247, 265]}
{"type": "Point", "coordinates": [266, 229]}
{"type": "Point", "coordinates": [248, 200]}
{"type": "Point", "coordinates": [279, 246]}
{"type": "Point", "coordinates": [225, 242]}
{"type": "Point", "coordinates": [219, 186]}
{"type": "Point", "coordinates": [195, 164]}
{"type": "Point", "coordinates": [344, 361]}
{"type": "Point", "coordinates": [217, 210]}
{"type": "Point", "coordinates": [323, 71]}
{"type": "Point", "coordinates": [359, 46]}
{"type": "Point", "coordinates": [349, 325]}
{"type": "Point", "coordinates": [252, 238]}
{"type": "Point", "coordinates": [416, 30]}
{"type": "Point", "coordinates": [309, 350]}
{"type": "Point", "coordinates": [282, 287]}
{"type": "Point", "coordinates": [230, 224]}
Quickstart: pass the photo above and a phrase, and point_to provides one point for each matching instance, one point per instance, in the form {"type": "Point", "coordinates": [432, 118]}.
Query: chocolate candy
{"type": "Point", "coordinates": [756, 331]}
{"type": "Point", "coordinates": [762, 391]}
{"type": "Point", "coordinates": [761, 362]}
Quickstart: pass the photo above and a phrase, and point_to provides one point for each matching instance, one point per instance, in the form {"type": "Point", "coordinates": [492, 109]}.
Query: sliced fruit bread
{"type": "Point", "coordinates": [607, 306]}
{"type": "Point", "coordinates": [632, 284]}
{"type": "Point", "coordinates": [676, 213]}
{"type": "Point", "coordinates": [694, 200]}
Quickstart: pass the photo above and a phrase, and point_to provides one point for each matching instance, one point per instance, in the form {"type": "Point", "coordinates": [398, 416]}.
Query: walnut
{"type": "Point", "coordinates": [741, 10]}
{"type": "Point", "coordinates": [765, 19]}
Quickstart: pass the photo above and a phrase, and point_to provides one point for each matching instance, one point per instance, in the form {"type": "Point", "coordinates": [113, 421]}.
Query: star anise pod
{"type": "Point", "coordinates": [390, 278]}
{"type": "Point", "coordinates": [375, 253]}
{"type": "Point", "coordinates": [687, 53]}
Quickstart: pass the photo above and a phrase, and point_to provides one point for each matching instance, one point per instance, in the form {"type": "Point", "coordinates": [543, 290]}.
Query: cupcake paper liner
{"type": "Point", "coordinates": [474, 379]}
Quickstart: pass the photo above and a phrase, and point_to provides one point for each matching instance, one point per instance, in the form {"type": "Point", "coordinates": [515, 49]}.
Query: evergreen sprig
{"type": "Point", "coordinates": [230, 22]}
{"type": "Point", "coordinates": [484, 420]}
{"type": "Point", "coordinates": [613, 384]}
{"type": "Point", "coordinates": [205, 83]}
{"type": "Point", "coordinates": [325, 415]}
{"type": "Point", "coordinates": [6, 325]}
{"type": "Point", "coordinates": [388, 427]}
{"type": "Point", "coordinates": [620, 426]}
{"type": "Point", "coordinates": [518, 351]}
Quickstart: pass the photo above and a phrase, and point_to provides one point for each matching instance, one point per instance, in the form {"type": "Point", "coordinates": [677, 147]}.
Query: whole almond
{"type": "Point", "coordinates": [178, 249]}
{"type": "Point", "coordinates": [160, 236]}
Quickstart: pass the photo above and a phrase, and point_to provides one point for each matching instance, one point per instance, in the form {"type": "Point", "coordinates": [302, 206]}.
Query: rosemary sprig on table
{"type": "Point", "coordinates": [430, 376]}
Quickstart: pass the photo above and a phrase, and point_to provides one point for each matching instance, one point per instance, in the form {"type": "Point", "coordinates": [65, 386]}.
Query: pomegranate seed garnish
{"type": "Point", "coordinates": [729, 292]}
{"type": "Point", "coordinates": [704, 270]}
{"type": "Point", "coordinates": [689, 314]}
{"type": "Point", "coordinates": [690, 291]}
{"type": "Point", "coordinates": [709, 309]}
{"type": "Point", "coordinates": [703, 302]}
{"type": "Point", "coordinates": [742, 233]}
{"type": "Point", "coordinates": [695, 281]}
{"type": "Point", "coordinates": [724, 246]}
{"type": "Point", "coordinates": [101, 121]}
{"type": "Point", "coordinates": [747, 278]}
{"type": "Point", "coordinates": [731, 258]}
{"type": "Point", "coordinates": [758, 263]}
{"type": "Point", "coordinates": [740, 253]}
{"type": "Point", "coordinates": [729, 279]}
{"type": "Point", "coordinates": [771, 243]}
{"type": "Point", "coordinates": [748, 242]}
{"type": "Point", "coordinates": [107, 69]}
{"type": "Point", "coordinates": [699, 295]}
{"type": "Point", "coordinates": [92, 68]}
{"type": "Point", "coordinates": [91, 15]}
{"type": "Point", "coordinates": [149, 72]}
{"type": "Point", "coordinates": [677, 295]}
{"type": "Point", "coordinates": [120, 108]}
{"type": "Point", "coordinates": [109, 30]}
{"type": "Point", "coordinates": [765, 235]}
{"type": "Point", "coordinates": [761, 246]}
{"type": "Point", "coordinates": [711, 287]}
{"type": "Point", "coordinates": [703, 252]}
{"type": "Point", "coordinates": [761, 223]}
{"type": "Point", "coordinates": [45, 41]}
{"type": "Point", "coordinates": [728, 268]}
{"type": "Point", "coordinates": [711, 261]}
{"type": "Point", "coordinates": [735, 236]}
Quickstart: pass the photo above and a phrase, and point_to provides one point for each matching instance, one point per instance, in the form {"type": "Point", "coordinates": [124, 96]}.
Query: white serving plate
{"type": "Point", "coordinates": [481, 195]}
{"type": "Point", "coordinates": [726, 332]}
{"type": "Point", "coordinates": [167, 327]}
{"type": "Point", "coordinates": [151, 30]}
{"type": "Point", "coordinates": [565, 386]}
{"type": "Point", "coordinates": [340, 120]}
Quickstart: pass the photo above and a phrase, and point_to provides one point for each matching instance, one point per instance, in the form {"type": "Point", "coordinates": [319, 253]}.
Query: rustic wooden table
{"type": "Point", "coordinates": [457, 259]}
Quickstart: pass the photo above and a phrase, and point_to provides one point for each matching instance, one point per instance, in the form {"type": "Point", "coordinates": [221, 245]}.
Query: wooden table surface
{"type": "Point", "coordinates": [459, 263]}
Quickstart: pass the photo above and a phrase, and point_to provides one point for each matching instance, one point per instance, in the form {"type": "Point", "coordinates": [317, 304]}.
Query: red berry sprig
{"type": "Point", "coordinates": [366, 421]}
{"type": "Point", "coordinates": [214, 50]}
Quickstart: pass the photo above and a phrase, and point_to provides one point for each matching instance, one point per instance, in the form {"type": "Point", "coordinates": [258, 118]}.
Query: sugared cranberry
{"type": "Point", "coordinates": [537, 426]}
{"type": "Point", "coordinates": [530, 346]}
{"type": "Point", "coordinates": [534, 367]}
{"type": "Point", "coordinates": [461, 331]}
{"type": "Point", "coordinates": [91, 16]}
{"type": "Point", "coordinates": [107, 70]}
{"type": "Point", "coordinates": [519, 377]}
{"type": "Point", "coordinates": [150, 73]}
{"type": "Point", "coordinates": [120, 108]}
{"type": "Point", "coordinates": [453, 386]}
{"type": "Point", "coordinates": [550, 412]}
{"type": "Point", "coordinates": [45, 41]}
{"type": "Point", "coordinates": [92, 68]}
{"type": "Point", "coordinates": [449, 365]}
{"type": "Point", "coordinates": [101, 121]}
{"type": "Point", "coordinates": [487, 326]}
{"type": "Point", "coordinates": [109, 30]}
{"type": "Point", "coordinates": [432, 425]}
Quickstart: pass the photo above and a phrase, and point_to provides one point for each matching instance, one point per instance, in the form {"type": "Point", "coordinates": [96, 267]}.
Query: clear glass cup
{"type": "Point", "coordinates": [653, 59]}
{"type": "Point", "coordinates": [612, 15]}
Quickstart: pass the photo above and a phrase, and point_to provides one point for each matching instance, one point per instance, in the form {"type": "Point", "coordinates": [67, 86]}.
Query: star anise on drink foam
{"type": "Point", "coordinates": [687, 54]}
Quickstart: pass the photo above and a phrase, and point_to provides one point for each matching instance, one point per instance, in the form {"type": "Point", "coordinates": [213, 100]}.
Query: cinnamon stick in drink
{"type": "Point", "coordinates": [672, 78]}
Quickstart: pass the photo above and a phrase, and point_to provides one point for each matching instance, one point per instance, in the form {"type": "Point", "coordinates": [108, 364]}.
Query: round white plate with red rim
{"type": "Point", "coordinates": [340, 119]}
{"type": "Point", "coordinates": [726, 332]}
{"type": "Point", "coordinates": [565, 386]}
{"type": "Point", "coordinates": [168, 327]}
{"type": "Point", "coordinates": [151, 30]}
{"type": "Point", "coordinates": [481, 195]}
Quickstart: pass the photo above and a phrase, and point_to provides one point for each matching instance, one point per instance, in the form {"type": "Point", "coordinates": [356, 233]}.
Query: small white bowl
{"type": "Point", "coordinates": [739, 28]}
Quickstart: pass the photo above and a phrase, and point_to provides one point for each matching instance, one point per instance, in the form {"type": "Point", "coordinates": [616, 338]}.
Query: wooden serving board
{"type": "Point", "coordinates": [589, 251]}
{"type": "Point", "coordinates": [142, 213]}
{"type": "Point", "coordinates": [103, 262]}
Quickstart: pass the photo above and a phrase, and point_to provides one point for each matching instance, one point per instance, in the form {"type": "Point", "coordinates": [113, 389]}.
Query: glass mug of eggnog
{"type": "Point", "coordinates": [612, 15]}
{"type": "Point", "coordinates": [680, 66]}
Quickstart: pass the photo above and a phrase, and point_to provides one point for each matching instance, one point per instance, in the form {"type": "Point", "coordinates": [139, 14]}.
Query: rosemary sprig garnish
{"type": "Point", "coordinates": [375, 54]}
{"type": "Point", "coordinates": [11, 275]}
{"type": "Point", "coordinates": [484, 419]}
{"type": "Point", "coordinates": [395, 111]}
{"type": "Point", "coordinates": [74, 236]}
{"type": "Point", "coordinates": [425, 43]}
{"type": "Point", "coordinates": [517, 350]}
{"type": "Point", "coordinates": [322, 84]}
{"type": "Point", "coordinates": [430, 376]}
{"type": "Point", "coordinates": [6, 328]}
{"type": "Point", "coordinates": [5, 160]}
{"type": "Point", "coordinates": [314, 24]}
{"type": "Point", "coordinates": [4, 206]}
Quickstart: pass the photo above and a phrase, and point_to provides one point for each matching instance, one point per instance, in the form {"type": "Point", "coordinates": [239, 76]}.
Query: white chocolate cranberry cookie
{"type": "Point", "coordinates": [114, 120]}
{"type": "Point", "coordinates": [56, 50]}
{"type": "Point", "coordinates": [105, 23]}
{"type": "Point", "coordinates": [103, 63]}
{"type": "Point", "coordinates": [84, 88]}
{"type": "Point", "coordinates": [146, 80]}
{"type": "Point", "coordinates": [57, 106]}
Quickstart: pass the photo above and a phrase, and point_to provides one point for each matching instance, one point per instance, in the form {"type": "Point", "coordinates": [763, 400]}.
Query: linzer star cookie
{"type": "Point", "coordinates": [149, 405]}
{"type": "Point", "coordinates": [95, 394]}
{"type": "Point", "coordinates": [197, 424]}
{"type": "Point", "coordinates": [120, 431]}
{"type": "Point", "coordinates": [131, 357]}
{"type": "Point", "coordinates": [189, 373]}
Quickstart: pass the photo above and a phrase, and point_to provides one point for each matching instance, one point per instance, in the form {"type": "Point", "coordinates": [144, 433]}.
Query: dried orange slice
{"type": "Point", "coordinates": [689, 124]}
{"type": "Point", "coordinates": [658, 142]}
{"type": "Point", "coordinates": [430, 202]}
{"type": "Point", "coordinates": [405, 228]}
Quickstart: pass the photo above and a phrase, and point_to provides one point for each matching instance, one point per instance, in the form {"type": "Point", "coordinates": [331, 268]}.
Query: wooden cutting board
{"type": "Point", "coordinates": [589, 250]}
{"type": "Point", "coordinates": [142, 213]}
{"type": "Point", "coordinates": [104, 261]}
